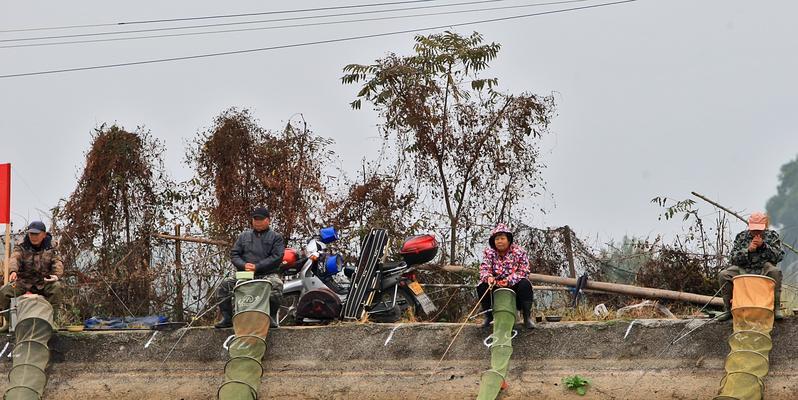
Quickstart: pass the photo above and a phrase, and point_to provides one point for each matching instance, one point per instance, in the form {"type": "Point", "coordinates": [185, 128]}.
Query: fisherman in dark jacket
{"type": "Point", "coordinates": [260, 250]}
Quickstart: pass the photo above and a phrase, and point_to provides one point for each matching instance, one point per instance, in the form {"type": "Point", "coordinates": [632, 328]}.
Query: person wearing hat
{"type": "Point", "coordinates": [260, 250]}
{"type": "Point", "coordinates": [756, 250]}
{"type": "Point", "coordinates": [34, 267]}
{"type": "Point", "coordinates": [505, 264]}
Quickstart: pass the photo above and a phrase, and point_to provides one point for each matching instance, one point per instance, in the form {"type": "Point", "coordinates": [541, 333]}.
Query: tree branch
{"type": "Point", "coordinates": [736, 215]}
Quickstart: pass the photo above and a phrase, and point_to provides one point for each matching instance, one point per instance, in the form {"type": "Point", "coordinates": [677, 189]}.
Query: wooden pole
{"type": "Point", "coordinates": [569, 251]}
{"type": "Point", "coordinates": [192, 239]}
{"type": "Point", "coordinates": [8, 254]}
{"type": "Point", "coordinates": [178, 277]}
{"type": "Point", "coordinates": [736, 215]}
{"type": "Point", "coordinates": [635, 291]}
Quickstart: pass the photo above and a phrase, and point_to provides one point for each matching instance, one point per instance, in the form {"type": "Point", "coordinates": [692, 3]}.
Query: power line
{"type": "Point", "coordinates": [92, 34]}
{"type": "Point", "coordinates": [287, 26]}
{"type": "Point", "coordinates": [153, 21]}
{"type": "Point", "coordinates": [305, 44]}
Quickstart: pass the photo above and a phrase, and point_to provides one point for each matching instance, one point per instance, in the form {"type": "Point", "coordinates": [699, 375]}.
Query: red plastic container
{"type": "Point", "coordinates": [290, 257]}
{"type": "Point", "coordinates": [419, 249]}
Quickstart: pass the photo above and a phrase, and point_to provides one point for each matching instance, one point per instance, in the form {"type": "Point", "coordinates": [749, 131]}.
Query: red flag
{"type": "Point", "coordinates": [5, 193]}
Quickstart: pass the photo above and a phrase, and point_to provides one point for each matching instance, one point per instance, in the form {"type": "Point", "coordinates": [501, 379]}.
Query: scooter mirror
{"type": "Point", "coordinates": [314, 247]}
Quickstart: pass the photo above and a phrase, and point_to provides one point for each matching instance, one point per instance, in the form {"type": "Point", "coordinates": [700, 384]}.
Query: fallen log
{"type": "Point", "coordinates": [635, 291]}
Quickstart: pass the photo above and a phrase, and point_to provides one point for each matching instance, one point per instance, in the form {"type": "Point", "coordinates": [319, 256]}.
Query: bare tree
{"type": "Point", "coordinates": [472, 149]}
{"type": "Point", "coordinates": [239, 165]}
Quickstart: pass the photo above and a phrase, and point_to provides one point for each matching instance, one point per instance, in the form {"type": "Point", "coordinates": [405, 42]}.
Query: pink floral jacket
{"type": "Point", "coordinates": [514, 266]}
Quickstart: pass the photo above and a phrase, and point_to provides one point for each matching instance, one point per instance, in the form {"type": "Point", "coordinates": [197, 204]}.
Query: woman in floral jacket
{"type": "Point", "coordinates": [505, 264]}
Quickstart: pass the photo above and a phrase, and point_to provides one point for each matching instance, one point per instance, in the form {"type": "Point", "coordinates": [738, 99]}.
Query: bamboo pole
{"type": "Point", "coordinates": [7, 263]}
{"type": "Point", "coordinates": [635, 291]}
{"type": "Point", "coordinates": [736, 215]}
{"type": "Point", "coordinates": [192, 239]}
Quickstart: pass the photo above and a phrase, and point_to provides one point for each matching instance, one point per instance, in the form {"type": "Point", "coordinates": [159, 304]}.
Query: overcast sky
{"type": "Point", "coordinates": [654, 97]}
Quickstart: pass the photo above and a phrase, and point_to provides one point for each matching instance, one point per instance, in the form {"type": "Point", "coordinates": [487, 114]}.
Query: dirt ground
{"type": "Point", "coordinates": [386, 361]}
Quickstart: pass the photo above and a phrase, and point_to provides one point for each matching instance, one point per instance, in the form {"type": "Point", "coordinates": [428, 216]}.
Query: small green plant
{"type": "Point", "coordinates": [576, 383]}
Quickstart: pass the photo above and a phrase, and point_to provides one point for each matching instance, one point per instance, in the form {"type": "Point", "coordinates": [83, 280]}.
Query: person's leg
{"type": "Point", "coordinates": [53, 292]}
{"type": "Point", "coordinates": [485, 300]}
{"type": "Point", "coordinates": [275, 299]}
{"type": "Point", "coordinates": [774, 272]}
{"type": "Point", "coordinates": [725, 281]}
{"type": "Point", "coordinates": [7, 292]}
{"type": "Point", "coordinates": [224, 294]}
{"type": "Point", "coordinates": [524, 295]}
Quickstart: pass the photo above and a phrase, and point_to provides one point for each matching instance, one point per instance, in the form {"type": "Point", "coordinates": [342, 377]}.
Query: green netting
{"type": "Point", "coordinates": [747, 363]}
{"type": "Point", "coordinates": [253, 295]}
{"type": "Point", "coordinates": [243, 369]}
{"type": "Point", "coordinates": [233, 390]}
{"type": "Point", "coordinates": [501, 349]}
{"type": "Point", "coordinates": [31, 353]}
{"type": "Point", "coordinates": [490, 385]}
{"type": "Point", "coordinates": [33, 377]}
{"type": "Point", "coordinates": [21, 393]}
{"type": "Point", "coordinates": [243, 372]}
{"type": "Point", "coordinates": [34, 329]}
{"type": "Point", "coordinates": [753, 319]}
{"type": "Point", "coordinates": [251, 323]}
{"type": "Point", "coordinates": [741, 386]}
{"type": "Point", "coordinates": [751, 340]}
{"type": "Point", "coordinates": [27, 378]}
{"type": "Point", "coordinates": [500, 358]}
{"type": "Point", "coordinates": [247, 346]}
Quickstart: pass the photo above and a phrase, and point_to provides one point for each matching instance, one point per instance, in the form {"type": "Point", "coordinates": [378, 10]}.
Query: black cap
{"type": "Point", "coordinates": [37, 227]}
{"type": "Point", "coordinates": [260, 212]}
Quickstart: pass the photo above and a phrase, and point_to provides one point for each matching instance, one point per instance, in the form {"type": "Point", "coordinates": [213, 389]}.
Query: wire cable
{"type": "Point", "coordinates": [306, 44]}
{"type": "Point", "coordinates": [278, 26]}
{"type": "Point", "coordinates": [92, 34]}
{"type": "Point", "coordinates": [155, 21]}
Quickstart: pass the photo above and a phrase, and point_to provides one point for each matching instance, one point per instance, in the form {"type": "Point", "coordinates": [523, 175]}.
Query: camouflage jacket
{"type": "Point", "coordinates": [770, 251]}
{"type": "Point", "coordinates": [33, 264]}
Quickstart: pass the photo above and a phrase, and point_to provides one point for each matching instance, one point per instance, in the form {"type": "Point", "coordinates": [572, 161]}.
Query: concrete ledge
{"type": "Point", "coordinates": [348, 361]}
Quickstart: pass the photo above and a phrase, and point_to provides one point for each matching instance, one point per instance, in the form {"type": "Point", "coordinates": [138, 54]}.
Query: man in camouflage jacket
{"type": "Point", "coordinates": [755, 251]}
{"type": "Point", "coordinates": [35, 267]}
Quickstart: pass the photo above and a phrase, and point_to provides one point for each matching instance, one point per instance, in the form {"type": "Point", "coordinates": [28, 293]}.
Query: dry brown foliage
{"type": "Point", "coordinates": [105, 225]}
{"type": "Point", "coordinates": [239, 165]}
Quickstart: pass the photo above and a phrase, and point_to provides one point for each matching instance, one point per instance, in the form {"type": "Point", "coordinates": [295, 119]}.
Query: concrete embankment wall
{"type": "Point", "coordinates": [353, 361]}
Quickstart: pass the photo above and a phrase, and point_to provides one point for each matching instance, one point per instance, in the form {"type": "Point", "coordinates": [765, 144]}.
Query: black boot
{"type": "Point", "coordinates": [526, 311]}
{"type": "Point", "coordinates": [727, 308]}
{"type": "Point", "coordinates": [226, 309]}
{"type": "Point", "coordinates": [488, 319]}
{"type": "Point", "coordinates": [274, 318]}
